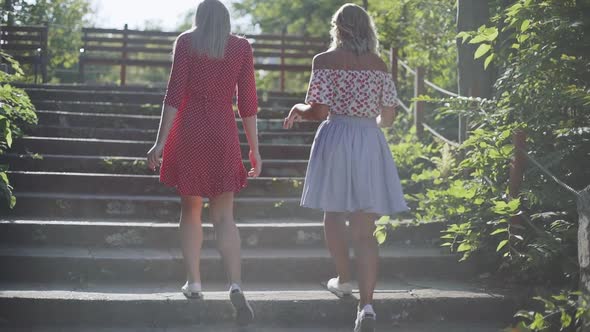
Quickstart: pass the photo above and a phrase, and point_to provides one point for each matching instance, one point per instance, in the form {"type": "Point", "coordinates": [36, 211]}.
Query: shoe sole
{"type": "Point", "coordinates": [340, 294]}
{"type": "Point", "coordinates": [243, 310]}
{"type": "Point", "coordinates": [193, 296]}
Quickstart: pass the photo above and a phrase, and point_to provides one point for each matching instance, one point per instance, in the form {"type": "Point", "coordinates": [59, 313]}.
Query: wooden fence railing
{"type": "Point", "coordinates": [124, 48]}
{"type": "Point", "coordinates": [28, 45]}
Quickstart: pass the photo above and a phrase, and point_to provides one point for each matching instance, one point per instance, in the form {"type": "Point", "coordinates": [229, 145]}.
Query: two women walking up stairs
{"type": "Point", "coordinates": [351, 175]}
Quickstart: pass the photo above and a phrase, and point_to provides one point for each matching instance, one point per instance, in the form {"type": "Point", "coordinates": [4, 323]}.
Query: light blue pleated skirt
{"type": "Point", "coordinates": [351, 169]}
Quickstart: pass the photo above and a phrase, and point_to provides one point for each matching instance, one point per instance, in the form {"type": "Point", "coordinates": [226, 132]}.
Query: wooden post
{"type": "Point", "coordinates": [419, 105]}
{"type": "Point", "coordinates": [518, 163]}
{"type": "Point", "coordinates": [124, 56]}
{"type": "Point", "coordinates": [583, 205]}
{"type": "Point", "coordinates": [283, 33]}
{"type": "Point", "coordinates": [473, 79]}
{"type": "Point", "coordinates": [81, 74]}
{"type": "Point", "coordinates": [462, 130]}
{"type": "Point", "coordinates": [366, 4]}
{"type": "Point", "coordinates": [517, 167]}
{"type": "Point", "coordinates": [44, 52]}
{"type": "Point", "coordinates": [393, 55]}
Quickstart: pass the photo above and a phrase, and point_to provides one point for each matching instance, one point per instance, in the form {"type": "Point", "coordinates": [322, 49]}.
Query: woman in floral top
{"type": "Point", "coordinates": [351, 173]}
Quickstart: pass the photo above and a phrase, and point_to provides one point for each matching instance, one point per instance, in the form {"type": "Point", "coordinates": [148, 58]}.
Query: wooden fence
{"type": "Point", "coordinates": [124, 48]}
{"type": "Point", "coordinates": [28, 45]}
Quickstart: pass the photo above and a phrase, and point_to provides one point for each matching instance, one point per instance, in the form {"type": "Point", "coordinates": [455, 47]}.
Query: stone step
{"type": "Point", "coordinates": [134, 109]}
{"type": "Point", "coordinates": [301, 307]}
{"type": "Point", "coordinates": [273, 327]}
{"type": "Point", "coordinates": [268, 137]}
{"type": "Point", "coordinates": [55, 263]}
{"type": "Point", "coordinates": [133, 185]}
{"type": "Point", "coordinates": [134, 121]}
{"type": "Point", "coordinates": [126, 165]}
{"type": "Point", "coordinates": [138, 96]}
{"type": "Point", "coordinates": [163, 208]}
{"type": "Point", "coordinates": [85, 146]}
{"type": "Point", "coordinates": [146, 233]}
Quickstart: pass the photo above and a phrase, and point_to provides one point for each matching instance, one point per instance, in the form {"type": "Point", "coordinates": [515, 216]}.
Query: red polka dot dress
{"type": "Point", "coordinates": [202, 155]}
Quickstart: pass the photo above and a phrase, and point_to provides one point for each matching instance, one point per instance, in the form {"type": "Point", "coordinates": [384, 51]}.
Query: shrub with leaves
{"type": "Point", "coordinates": [16, 111]}
{"type": "Point", "coordinates": [563, 312]}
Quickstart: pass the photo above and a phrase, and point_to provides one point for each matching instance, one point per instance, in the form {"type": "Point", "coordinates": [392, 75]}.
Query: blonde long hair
{"type": "Point", "coordinates": [212, 29]}
{"type": "Point", "coordinates": [353, 29]}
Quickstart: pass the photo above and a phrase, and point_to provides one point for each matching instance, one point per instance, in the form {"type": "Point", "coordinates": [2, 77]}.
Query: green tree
{"type": "Point", "coordinates": [423, 31]}
{"type": "Point", "coordinates": [306, 17]}
{"type": "Point", "coordinates": [541, 51]}
{"type": "Point", "coordinates": [65, 19]}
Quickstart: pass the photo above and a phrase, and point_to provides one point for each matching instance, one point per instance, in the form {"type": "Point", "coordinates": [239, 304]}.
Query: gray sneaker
{"type": "Point", "coordinates": [243, 311]}
{"type": "Point", "coordinates": [365, 321]}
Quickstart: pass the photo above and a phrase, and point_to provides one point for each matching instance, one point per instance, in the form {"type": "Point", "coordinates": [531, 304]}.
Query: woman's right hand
{"type": "Point", "coordinates": [294, 116]}
{"type": "Point", "coordinates": [154, 156]}
{"type": "Point", "coordinates": [256, 162]}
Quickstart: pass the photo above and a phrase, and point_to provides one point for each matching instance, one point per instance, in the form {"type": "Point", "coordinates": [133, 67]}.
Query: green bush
{"type": "Point", "coordinates": [541, 51]}
{"type": "Point", "coordinates": [16, 111]}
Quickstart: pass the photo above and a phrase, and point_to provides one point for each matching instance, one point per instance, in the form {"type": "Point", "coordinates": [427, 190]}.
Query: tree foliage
{"type": "Point", "coordinates": [541, 51]}
{"type": "Point", "coordinates": [423, 31]}
{"type": "Point", "coordinates": [65, 19]}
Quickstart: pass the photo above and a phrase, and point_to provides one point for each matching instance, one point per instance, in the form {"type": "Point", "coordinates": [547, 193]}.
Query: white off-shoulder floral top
{"type": "Point", "coordinates": [360, 93]}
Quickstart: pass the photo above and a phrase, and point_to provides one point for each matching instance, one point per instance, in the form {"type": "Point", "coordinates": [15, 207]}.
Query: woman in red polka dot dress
{"type": "Point", "coordinates": [199, 144]}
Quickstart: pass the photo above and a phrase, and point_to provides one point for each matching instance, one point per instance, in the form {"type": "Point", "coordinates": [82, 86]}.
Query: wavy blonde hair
{"type": "Point", "coordinates": [353, 29]}
{"type": "Point", "coordinates": [212, 29]}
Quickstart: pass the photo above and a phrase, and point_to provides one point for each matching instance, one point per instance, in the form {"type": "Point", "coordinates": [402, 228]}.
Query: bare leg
{"type": "Point", "coordinates": [337, 243]}
{"type": "Point", "coordinates": [227, 235]}
{"type": "Point", "coordinates": [366, 252]}
{"type": "Point", "coordinates": [191, 236]}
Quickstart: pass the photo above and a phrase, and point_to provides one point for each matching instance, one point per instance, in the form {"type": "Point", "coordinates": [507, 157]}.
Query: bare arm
{"type": "Point", "coordinates": [313, 112]}
{"type": "Point", "coordinates": [385, 120]}
{"type": "Point", "coordinates": [251, 129]}
{"type": "Point", "coordinates": [172, 101]}
{"type": "Point", "coordinates": [248, 108]}
{"type": "Point", "coordinates": [166, 121]}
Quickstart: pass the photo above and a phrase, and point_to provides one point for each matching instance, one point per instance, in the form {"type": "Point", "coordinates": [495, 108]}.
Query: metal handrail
{"type": "Point", "coordinates": [427, 82]}
{"type": "Point", "coordinates": [440, 136]}
{"type": "Point", "coordinates": [548, 172]}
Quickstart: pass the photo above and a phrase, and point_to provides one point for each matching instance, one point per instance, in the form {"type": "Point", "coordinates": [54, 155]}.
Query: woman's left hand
{"type": "Point", "coordinates": [294, 116]}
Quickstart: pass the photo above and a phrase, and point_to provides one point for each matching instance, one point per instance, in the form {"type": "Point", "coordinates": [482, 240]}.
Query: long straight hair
{"type": "Point", "coordinates": [212, 29]}
{"type": "Point", "coordinates": [353, 29]}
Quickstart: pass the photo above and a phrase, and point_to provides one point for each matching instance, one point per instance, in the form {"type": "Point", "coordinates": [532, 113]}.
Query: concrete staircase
{"type": "Point", "coordinates": [92, 244]}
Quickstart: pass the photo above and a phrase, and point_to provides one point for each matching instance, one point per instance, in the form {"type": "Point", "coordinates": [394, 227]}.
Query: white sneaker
{"type": "Point", "coordinates": [365, 320]}
{"type": "Point", "coordinates": [192, 291]}
{"type": "Point", "coordinates": [339, 289]}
